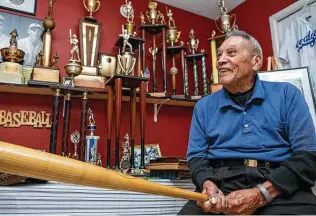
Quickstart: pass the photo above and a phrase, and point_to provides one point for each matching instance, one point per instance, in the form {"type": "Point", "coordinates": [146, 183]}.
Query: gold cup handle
{"type": "Point", "coordinates": [132, 68]}
{"type": "Point", "coordinates": [233, 25]}
{"type": "Point", "coordinates": [84, 4]}
{"type": "Point", "coordinates": [98, 2]}
{"type": "Point", "coordinates": [219, 29]}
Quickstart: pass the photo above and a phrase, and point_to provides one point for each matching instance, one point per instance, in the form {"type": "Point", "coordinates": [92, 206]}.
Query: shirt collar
{"type": "Point", "coordinates": [258, 93]}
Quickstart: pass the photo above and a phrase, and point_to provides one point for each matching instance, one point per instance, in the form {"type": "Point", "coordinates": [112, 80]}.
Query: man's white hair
{"type": "Point", "coordinates": [251, 40]}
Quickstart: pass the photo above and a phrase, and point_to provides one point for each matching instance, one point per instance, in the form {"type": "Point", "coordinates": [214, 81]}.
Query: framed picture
{"type": "Point", "coordinates": [152, 151]}
{"type": "Point", "coordinates": [298, 77]}
{"type": "Point", "coordinates": [282, 20]}
{"type": "Point", "coordinates": [30, 33]}
{"type": "Point", "coordinates": [22, 6]}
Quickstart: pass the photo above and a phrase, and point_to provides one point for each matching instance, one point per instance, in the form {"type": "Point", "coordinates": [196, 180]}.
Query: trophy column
{"type": "Point", "coordinates": [83, 123]}
{"type": "Point", "coordinates": [66, 117]}
{"type": "Point", "coordinates": [109, 124]}
{"type": "Point", "coordinates": [55, 119]}
{"type": "Point", "coordinates": [142, 111]}
{"type": "Point", "coordinates": [133, 125]}
{"type": "Point", "coordinates": [118, 109]}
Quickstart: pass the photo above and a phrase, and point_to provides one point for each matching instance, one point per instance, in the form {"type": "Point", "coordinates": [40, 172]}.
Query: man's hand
{"type": "Point", "coordinates": [244, 201]}
{"type": "Point", "coordinates": [217, 201]}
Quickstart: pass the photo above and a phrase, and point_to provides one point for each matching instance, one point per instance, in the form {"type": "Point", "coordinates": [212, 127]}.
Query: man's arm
{"type": "Point", "coordinates": [197, 150]}
{"type": "Point", "coordinates": [298, 171]}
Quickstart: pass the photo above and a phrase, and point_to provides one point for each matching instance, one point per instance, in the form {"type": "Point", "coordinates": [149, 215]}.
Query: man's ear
{"type": "Point", "coordinates": [257, 62]}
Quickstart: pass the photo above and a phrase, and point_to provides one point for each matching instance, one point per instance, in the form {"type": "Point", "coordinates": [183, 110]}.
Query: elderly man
{"type": "Point", "coordinates": [32, 44]}
{"type": "Point", "coordinates": [252, 144]}
{"type": "Point", "coordinates": [4, 40]}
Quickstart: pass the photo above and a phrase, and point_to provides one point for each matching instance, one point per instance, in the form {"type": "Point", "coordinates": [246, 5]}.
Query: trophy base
{"type": "Point", "coordinates": [91, 71]}
{"type": "Point", "coordinates": [139, 173]}
{"type": "Point", "coordinates": [46, 74]}
{"type": "Point", "coordinates": [11, 67]}
{"type": "Point", "coordinates": [196, 56]}
{"type": "Point", "coordinates": [90, 19]}
{"type": "Point", "coordinates": [95, 82]}
{"type": "Point", "coordinates": [195, 97]}
{"type": "Point", "coordinates": [159, 94]}
{"type": "Point", "coordinates": [11, 77]}
{"type": "Point", "coordinates": [178, 97]}
{"type": "Point", "coordinates": [27, 73]}
{"type": "Point", "coordinates": [39, 83]}
{"type": "Point", "coordinates": [215, 87]}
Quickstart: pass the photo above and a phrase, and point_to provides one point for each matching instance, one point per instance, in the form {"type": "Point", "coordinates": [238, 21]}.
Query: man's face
{"type": "Point", "coordinates": [236, 61]}
{"type": "Point", "coordinates": [35, 34]}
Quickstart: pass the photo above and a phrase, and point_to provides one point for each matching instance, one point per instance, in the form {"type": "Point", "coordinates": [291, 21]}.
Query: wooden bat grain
{"type": "Point", "coordinates": [28, 162]}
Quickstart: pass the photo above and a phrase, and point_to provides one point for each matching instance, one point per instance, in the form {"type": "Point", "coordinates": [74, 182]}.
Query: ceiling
{"type": "Point", "coordinates": [206, 8]}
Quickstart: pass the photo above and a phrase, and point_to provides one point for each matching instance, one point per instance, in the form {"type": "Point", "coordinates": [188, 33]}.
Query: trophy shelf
{"type": "Point", "coordinates": [99, 95]}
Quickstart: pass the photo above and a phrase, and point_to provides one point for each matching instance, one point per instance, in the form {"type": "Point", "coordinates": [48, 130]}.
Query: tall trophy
{"type": "Point", "coordinates": [90, 32]}
{"type": "Point", "coordinates": [45, 71]}
{"type": "Point", "coordinates": [10, 69]}
{"type": "Point", "coordinates": [196, 57]}
{"type": "Point", "coordinates": [125, 163]}
{"type": "Point", "coordinates": [73, 68]}
{"type": "Point", "coordinates": [75, 139]}
{"type": "Point", "coordinates": [91, 150]}
{"type": "Point", "coordinates": [156, 25]}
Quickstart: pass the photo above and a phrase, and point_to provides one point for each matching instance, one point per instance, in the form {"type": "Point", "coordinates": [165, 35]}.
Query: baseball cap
{"type": "Point", "coordinates": [36, 25]}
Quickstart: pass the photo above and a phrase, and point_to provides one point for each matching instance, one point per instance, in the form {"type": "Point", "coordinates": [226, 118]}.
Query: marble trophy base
{"type": "Point", "coordinates": [11, 72]}
{"type": "Point", "coordinates": [159, 94]}
{"type": "Point", "coordinates": [179, 97]}
{"type": "Point", "coordinates": [92, 71]}
{"type": "Point", "coordinates": [195, 97]}
{"type": "Point", "coordinates": [89, 81]}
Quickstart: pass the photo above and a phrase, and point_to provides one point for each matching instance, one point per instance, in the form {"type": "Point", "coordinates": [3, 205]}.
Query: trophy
{"type": "Point", "coordinates": [125, 163]}
{"type": "Point", "coordinates": [90, 33]}
{"type": "Point", "coordinates": [226, 19]}
{"type": "Point", "coordinates": [73, 68]}
{"type": "Point", "coordinates": [45, 71]}
{"type": "Point", "coordinates": [91, 141]}
{"type": "Point", "coordinates": [193, 43]}
{"type": "Point", "coordinates": [172, 33]}
{"type": "Point", "coordinates": [11, 70]}
{"type": "Point", "coordinates": [75, 139]}
{"type": "Point", "coordinates": [126, 60]}
{"type": "Point", "coordinates": [152, 13]}
{"type": "Point", "coordinates": [91, 6]}
{"type": "Point", "coordinates": [129, 26]}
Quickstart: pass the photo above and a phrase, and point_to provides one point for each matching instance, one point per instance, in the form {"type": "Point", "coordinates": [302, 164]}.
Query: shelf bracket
{"type": "Point", "coordinates": [157, 108]}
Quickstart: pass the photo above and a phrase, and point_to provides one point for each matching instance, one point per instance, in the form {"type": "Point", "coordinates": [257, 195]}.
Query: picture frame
{"type": "Point", "coordinates": [152, 151]}
{"type": "Point", "coordinates": [108, 64]}
{"type": "Point", "coordinates": [297, 76]}
{"type": "Point", "coordinates": [21, 6]}
{"type": "Point", "coordinates": [29, 29]}
{"type": "Point", "coordinates": [282, 20]}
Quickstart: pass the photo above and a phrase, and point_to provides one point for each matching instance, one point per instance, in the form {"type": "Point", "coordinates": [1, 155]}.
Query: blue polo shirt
{"type": "Point", "coordinates": [273, 124]}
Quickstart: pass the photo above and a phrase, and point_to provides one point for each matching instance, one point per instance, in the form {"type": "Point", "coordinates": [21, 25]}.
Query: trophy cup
{"type": "Point", "coordinates": [195, 58]}
{"type": "Point", "coordinates": [11, 70]}
{"type": "Point", "coordinates": [45, 71]}
{"type": "Point", "coordinates": [75, 139]}
{"type": "Point", "coordinates": [73, 68]}
{"type": "Point", "coordinates": [91, 149]}
{"type": "Point", "coordinates": [126, 60]}
{"type": "Point", "coordinates": [226, 19]}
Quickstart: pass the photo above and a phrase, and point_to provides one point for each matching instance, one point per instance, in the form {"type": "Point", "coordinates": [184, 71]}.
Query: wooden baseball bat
{"type": "Point", "coordinates": [28, 162]}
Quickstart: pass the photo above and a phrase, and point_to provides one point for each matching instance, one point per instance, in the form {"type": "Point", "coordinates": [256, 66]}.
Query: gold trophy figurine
{"type": "Point", "coordinates": [73, 68]}
{"type": "Point", "coordinates": [91, 6]}
{"type": "Point", "coordinates": [226, 19]}
{"type": "Point", "coordinates": [173, 34]}
{"type": "Point", "coordinates": [152, 13]}
{"type": "Point", "coordinates": [129, 26]}
{"type": "Point", "coordinates": [193, 43]}
{"type": "Point", "coordinates": [126, 60]}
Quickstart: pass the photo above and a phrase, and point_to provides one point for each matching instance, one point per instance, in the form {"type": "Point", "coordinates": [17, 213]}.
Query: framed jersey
{"type": "Point", "coordinates": [299, 77]}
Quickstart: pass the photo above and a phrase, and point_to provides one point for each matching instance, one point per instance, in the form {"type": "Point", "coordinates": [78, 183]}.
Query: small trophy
{"type": "Point", "coordinates": [126, 60]}
{"type": "Point", "coordinates": [172, 33]}
{"type": "Point", "coordinates": [193, 44]}
{"type": "Point", "coordinates": [11, 70]}
{"type": "Point", "coordinates": [226, 19]}
{"type": "Point", "coordinates": [73, 68]}
{"type": "Point", "coordinates": [125, 163]}
{"type": "Point", "coordinates": [75, 139]}
{"type": "Point", "coordinates": [91, 6]}
{"type": "Point", "coordinates": [92, 141]}
{"type": "Point", "coordinates": [152, 14]}
{"type": "Point", "coordinates": [129, 26]}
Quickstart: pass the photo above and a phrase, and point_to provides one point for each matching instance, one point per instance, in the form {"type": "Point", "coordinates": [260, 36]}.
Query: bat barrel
{"type": "Point", "coordinates": [28, 162]}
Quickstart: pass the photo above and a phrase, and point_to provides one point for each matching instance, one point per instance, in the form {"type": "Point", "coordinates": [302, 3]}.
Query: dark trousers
{"type": "Point", "coordinates": [236, 178]}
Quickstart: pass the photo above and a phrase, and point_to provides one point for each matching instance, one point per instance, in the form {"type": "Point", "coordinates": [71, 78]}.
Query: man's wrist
{"type": "Point", "coordinates": [265, 192]}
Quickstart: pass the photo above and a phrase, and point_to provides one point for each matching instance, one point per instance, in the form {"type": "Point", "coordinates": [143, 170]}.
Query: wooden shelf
{"type": "Point", "coordinates": [24, 89]}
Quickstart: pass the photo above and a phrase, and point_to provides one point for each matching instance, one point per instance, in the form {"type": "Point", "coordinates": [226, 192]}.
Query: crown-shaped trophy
{"type": "Point", "coordinates": [91, 151]}
{"type": "Point", "coordinates": [193, 43]}
{"type": "Point", "coordinates": [227, 21]}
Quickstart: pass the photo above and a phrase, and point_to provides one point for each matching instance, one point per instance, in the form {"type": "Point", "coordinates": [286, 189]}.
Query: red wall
{"type": "Point", "coordinates": [171, 130]}
{"type": "Point", "coordinates": [253, 17]}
